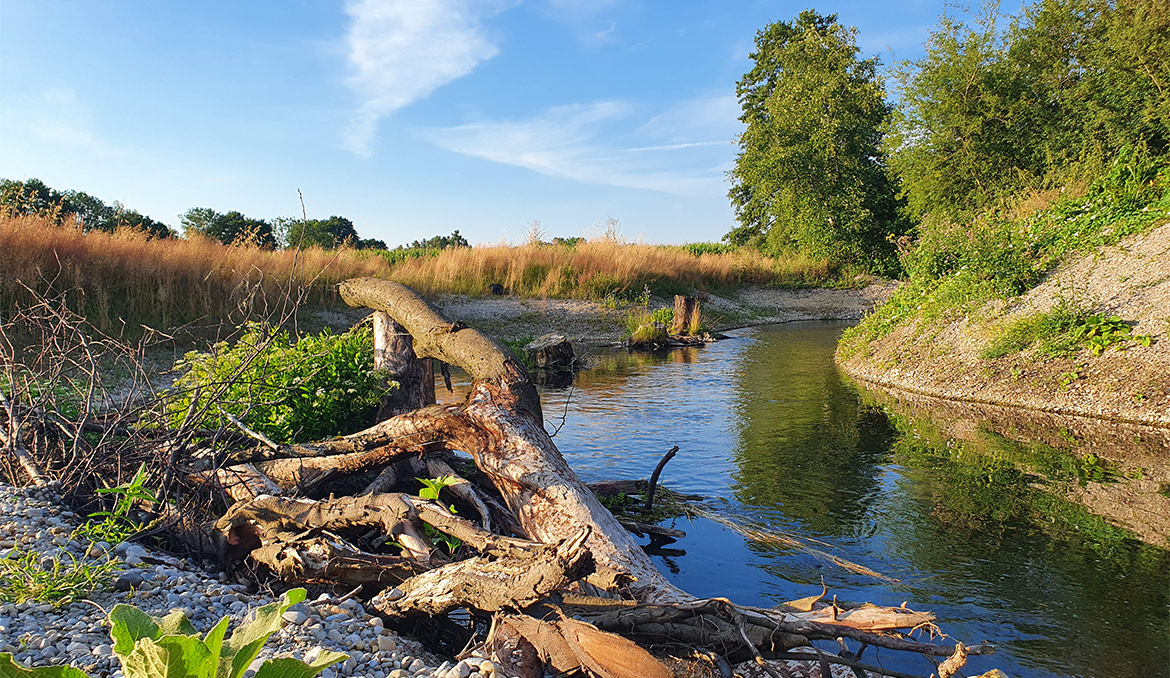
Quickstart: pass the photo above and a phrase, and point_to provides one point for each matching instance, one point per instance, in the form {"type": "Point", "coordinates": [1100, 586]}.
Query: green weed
{"type": "Point", "coordinates": [1062, 332]}
{"type": "Point", "coordinates": [170, 647]}
{"type": "Point", "coordinates": [116, 525]}
{"type": "Point", "coordinates": [57, 580]}
{"type": "Point", "coordinates": [307, 389]}
{"type": "Point", "coordinates": [430, 490]}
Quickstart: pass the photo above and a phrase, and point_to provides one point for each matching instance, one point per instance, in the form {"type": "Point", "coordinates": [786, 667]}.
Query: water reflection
{"type": "Point", "coordinates": [977, 529]}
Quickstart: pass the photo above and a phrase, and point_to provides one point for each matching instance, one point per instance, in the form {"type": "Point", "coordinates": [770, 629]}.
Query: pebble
{"type": "Point", "coordinates": [295, 617]}
{"type": "Point", "coordinates": [37, 634]}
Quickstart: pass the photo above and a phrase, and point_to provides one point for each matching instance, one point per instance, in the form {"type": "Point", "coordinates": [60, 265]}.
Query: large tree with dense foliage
{"type": "Point", "coordinates": [810, 174]}
{"type": "Point", "coordinates": [1001, 104]}
{"type": "Point", "coordinates": [228, 228]}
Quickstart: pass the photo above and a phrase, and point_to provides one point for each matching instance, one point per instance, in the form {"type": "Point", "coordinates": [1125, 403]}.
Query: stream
{"type": "Point", "coordinates": [973, 525]}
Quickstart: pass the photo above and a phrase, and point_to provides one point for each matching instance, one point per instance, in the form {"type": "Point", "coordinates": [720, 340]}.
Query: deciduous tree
{"type": "Point", "coordinates": [810, 173]}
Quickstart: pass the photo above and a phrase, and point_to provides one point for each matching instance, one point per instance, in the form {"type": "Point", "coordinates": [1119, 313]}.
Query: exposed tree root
{"type": "Point", "coordinates": [575, 595]}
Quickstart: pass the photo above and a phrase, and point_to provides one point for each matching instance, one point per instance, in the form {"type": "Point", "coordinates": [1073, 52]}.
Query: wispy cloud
{"type": "Point", "coordinates": [587, 19]}
{"type": "Point", "coordinates": [402, 50]}
{"type": "Point", "coordinates": [605, 143]}
{"type": "Point", "coordinates": [54, 116]}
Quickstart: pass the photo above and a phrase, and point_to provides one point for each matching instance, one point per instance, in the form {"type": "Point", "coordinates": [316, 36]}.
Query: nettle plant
{"type": "Point", "coordinates": [170, 647]}
{"type": "Point", "coordinates": [289, 389]}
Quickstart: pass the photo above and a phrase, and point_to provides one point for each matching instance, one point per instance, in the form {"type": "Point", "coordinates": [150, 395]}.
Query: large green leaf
{"type": "Point", "coordinates": [168, 657]}
{"type": "Point", "coordinates": [214, 642]}
{"type": "Point", "coordinates": [287, 667]}
{"type": "Point", "coordinates": [10, 669]}
{"type": "Point", "coordinates": [175, 624]}
{"type": "Point", "coordinates": [246, 641]}
{"type": "Point", "coordinates": [128, 625]}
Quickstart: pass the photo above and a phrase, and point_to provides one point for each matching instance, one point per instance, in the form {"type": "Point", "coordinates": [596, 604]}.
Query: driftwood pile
{"type": "Point", "coordinates": [511, 553]}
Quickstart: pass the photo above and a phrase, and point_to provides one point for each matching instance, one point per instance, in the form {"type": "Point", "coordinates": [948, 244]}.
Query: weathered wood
{"type": "Point", "coordinates": [551, 351]}
{"type": "Point", "coordinates": [242, 482]}
{"type": "Point", "coordinates": [394, 352]}
{"type": "Point", "coordinates": [686, 315]}
{"type": "Point", "coordinates": [509, 582]}
{"type": "Point", "coordinates": [501, 427]}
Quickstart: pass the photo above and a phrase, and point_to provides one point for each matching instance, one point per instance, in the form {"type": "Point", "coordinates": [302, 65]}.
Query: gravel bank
{"type": "Point", "coordinates": [1130, 280]}
{"type": "Point", "coordinates": [38, 635]}
{"type": "Point", "coordinates": [591, 322]}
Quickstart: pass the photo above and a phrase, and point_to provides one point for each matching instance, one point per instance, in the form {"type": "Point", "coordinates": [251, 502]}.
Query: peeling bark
{"type": "Point", "coordinates": [501, 427]}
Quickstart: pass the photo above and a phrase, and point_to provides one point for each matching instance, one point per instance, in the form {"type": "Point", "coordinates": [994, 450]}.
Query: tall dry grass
{"type": "Point", "coordinates": [121, 281]}
{"type": "Point", "coordinates": [600, 269]}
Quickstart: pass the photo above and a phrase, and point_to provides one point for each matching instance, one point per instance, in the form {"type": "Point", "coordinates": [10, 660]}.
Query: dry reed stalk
{"type": "Point", "coordinates": [595, 270]}
{"type": "Point", "coordinates": [120, 280]}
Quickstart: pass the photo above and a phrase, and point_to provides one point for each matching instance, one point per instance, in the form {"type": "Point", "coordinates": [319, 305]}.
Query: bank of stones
{"type": "Point", "coordinates": [37, 634]}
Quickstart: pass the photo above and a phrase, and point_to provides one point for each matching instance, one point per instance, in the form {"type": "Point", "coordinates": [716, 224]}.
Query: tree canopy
{"type": "Point", "coordinates": [1001, 104]}
{"type": "Point", "coordinates": [35, 197]}
{"type": "Point", "coordinates": [229, 228]}
{"type": "Point", "coordinates": [810, 175]}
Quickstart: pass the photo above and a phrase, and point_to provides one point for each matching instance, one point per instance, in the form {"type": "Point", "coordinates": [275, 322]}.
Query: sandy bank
{"type": "Point", "coordinates": [1130, 280]}
{"type": "Point", "coordinates": [593, 322]}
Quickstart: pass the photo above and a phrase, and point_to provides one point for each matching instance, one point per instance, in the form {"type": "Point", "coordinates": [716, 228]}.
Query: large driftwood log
{"type": "Point", "coordinates": [491, 584]}
{"type": "Point", "coordinates": [501, 427]}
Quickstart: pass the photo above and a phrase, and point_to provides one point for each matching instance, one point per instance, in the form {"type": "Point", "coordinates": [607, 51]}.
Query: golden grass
{"type": "Point", "coordinates": [596, 270]}
{"type": "Point", "coordinates": [122, 280]}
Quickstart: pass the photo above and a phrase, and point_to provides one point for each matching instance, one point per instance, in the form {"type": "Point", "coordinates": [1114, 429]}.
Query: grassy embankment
{"type": "Point", "coordinates": [955, 270]}
{"type": "Point", "coordinates": [120, 281]}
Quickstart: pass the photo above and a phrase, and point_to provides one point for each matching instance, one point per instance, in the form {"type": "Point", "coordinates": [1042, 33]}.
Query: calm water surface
{"type": "Point", "coordinates": [768, 429]}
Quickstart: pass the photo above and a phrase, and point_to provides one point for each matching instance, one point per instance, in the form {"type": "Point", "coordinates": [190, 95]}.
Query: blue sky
{"type": "Point", "coordinates": [412, 118]}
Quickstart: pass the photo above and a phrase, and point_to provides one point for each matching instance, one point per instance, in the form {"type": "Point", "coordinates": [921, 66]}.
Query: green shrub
{"type": "Point", "coordinates": [1062, 332]}
{"type": "Point", "coordinates": [308, 389]}
{"type": "Point", "coordinates": [954, 267]}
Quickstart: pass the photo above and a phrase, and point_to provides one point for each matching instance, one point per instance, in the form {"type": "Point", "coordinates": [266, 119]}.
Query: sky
{"type": "Point", "coordinates": [412, 118]}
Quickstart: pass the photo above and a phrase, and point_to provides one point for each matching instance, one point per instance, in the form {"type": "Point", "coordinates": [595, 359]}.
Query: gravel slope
{"type": "Point", "coordinates": [39, 635]}
{"type": "Point", "coordinates": [1130, 280]}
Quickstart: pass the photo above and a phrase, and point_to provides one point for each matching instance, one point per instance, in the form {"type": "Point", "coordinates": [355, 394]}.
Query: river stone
{"type": "Point", "coordinates": [551, 350]}
{"type": "Point", "coordinates": [386, 643]}
{"type": "Point", "coordinates": [129, 580]}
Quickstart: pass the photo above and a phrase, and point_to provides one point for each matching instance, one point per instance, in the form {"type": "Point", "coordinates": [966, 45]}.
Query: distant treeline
{"type": "Point", "coordinates": [34, 198]}
{"type": "Point", "coordinates": [999, 106]}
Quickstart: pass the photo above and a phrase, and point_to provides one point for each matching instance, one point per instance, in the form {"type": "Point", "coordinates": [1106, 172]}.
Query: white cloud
{"type": "Point", "coordinates": [605, 143]}
{"type": "Point", "coordinates": [55, 116]}
{"type": "Point", "coordinates": [712, 116]}
{"type": "Point", "coordinates": [402, 50]}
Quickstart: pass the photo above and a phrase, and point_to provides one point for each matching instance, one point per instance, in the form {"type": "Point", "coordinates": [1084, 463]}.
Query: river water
{"type": "Point", "coordinates": [972, 527]}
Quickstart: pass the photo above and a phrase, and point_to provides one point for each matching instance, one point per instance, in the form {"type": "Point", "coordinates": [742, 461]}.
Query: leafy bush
{"type": "Point", "coordinates": [170, 647]}
{"type": "Point", "coordinates": [954, 267]}
{"type": "Point", "coordinates": [308, 389]}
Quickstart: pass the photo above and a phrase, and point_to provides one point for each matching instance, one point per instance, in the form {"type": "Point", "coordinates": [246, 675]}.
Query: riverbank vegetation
{"type": "Point", "coordinates": [1021, 141]}
{"type": "Point", "coordinates": [120, 280]}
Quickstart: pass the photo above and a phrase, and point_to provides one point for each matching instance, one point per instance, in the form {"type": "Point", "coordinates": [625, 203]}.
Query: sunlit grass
{"type": "Point", "coordinates": [603, 269]}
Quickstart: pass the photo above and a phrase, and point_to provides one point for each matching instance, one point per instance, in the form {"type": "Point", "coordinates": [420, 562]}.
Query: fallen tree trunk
{"type": "Point", "coordinates": [500, 426]}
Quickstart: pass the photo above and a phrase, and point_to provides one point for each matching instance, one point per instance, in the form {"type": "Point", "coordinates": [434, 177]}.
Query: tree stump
{"type": "Point", "coordinates": [686, 316]}
{"type": "Point", "coordinates": [551, 351]}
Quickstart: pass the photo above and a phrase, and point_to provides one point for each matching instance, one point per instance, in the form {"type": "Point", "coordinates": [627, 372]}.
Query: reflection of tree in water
{"type": "Point", "coordinates": [982, 530]}
{"type": "Point", "coordinates": [805, 446]}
